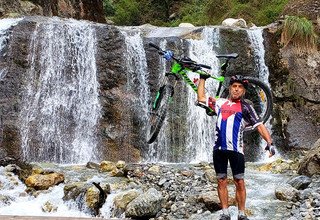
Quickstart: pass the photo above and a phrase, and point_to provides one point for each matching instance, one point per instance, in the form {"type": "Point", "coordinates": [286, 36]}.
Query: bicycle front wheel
{"type": "Point", "coordinates": [260, 96]}
{"type": "Point", "coordinates": [159, 112]}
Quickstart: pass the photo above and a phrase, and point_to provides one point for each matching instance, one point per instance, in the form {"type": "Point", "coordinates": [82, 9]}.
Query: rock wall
{"type": "Point", "coordinates": [91, 10]}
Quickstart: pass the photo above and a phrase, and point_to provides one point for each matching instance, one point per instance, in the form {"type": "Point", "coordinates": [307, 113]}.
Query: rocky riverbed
{"type": "Point", "coordinates": [156, 191]}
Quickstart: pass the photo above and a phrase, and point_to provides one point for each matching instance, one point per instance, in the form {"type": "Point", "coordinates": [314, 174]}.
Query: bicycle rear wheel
{"type": "Point", "coordinates": [260, 96]}
{"type": "Point", "coordinates": [159, 112]}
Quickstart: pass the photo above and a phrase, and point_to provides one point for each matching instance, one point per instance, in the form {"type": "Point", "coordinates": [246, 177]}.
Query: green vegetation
{"type": "Point", "coordinates": [197, 12]}
{"type": "Point", "coordinates": [300, 33]}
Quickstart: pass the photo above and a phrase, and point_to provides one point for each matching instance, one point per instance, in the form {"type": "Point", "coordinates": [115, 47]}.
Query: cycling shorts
{"type": "Point", "coordinates": [220, 163]}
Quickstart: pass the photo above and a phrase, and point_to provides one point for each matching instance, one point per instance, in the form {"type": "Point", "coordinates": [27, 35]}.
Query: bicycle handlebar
{"type": "Point", "coordinates": [182, 60]}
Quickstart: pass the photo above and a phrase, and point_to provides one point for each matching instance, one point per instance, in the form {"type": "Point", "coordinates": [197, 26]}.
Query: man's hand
{"type": "Point", "coordinates": [205, 76]}
{"type": "Point", "coordinates": [271, 149]}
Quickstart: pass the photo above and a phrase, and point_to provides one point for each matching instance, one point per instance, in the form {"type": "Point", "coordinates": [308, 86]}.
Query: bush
{"type": "Point", "coordinates": [108, 8]}
{"type": "Point", "coordinates": [127, 13]}
{"type": "Point", "coordinates": [299, 32]}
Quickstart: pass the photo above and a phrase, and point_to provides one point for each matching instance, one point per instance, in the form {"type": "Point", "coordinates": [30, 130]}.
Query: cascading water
{"type": "Point", "coordinates": [5, 24]}
{"type": "Point", "coordinates": [202, 127]}
{"type": "Point", "coordinates": [137, 74]}
{"type": "Point", "coordinates": [256, 39]}
{"type": "Point", "coordinates": [160, 150]}
{"type": "Point", "coordinates": [60, 108]}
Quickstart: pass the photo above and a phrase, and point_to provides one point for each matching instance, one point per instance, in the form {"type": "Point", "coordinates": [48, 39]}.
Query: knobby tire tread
{"type": "Point", "coordinates": [159, 113]}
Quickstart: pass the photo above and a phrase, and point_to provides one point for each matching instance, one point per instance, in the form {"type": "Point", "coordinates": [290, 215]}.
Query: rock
{"type": "Point", "coordinates": [92, 165]}
{"type": "Point", "coordinates": [49, 207]}
{"type": "Point", "coordinates": [231, 22]}
{"type": "Point", "coordinates": [44, 181]}
{"type": "Point", "coordinates": [73, 190]}
{"type": "Point", "coordinates": [186, 25]}
{"type": "Point", "coordinates": [286, 192]}
{"type": "Point", "coordinates": [310, 164]}
{"type": "Point", "coordinates": [300, 182]}
{"type": "Point", "coordinates": [210, 174]}
{"type": "Point", "coordinates": [146, 205]}
{"type": "Point", "coordinates": [121, 200]}
{"type": "Point", "coordinates": [211, 200]}
{"type": "Point", "coordinates": [154, 169]}
{"type": "Point", "coordinates": [107, 166]}
{"type": "Point", "coordinates": [120, 164]}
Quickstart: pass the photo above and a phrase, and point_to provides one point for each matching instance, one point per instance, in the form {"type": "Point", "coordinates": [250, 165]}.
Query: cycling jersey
{"type": "Point", "coordinates": [232, 119]}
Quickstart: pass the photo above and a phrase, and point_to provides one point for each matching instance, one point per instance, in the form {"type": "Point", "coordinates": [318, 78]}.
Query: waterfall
{"type": "Point", "coordinates": [160, 149]}
{"type": "Point", "coordinates": [5, 24]}
{"type": "Point", "coordinates": [60, 106]}
{"type": "Point", "coordinates": [137, 74]}
{"type": "Point", "coordinates": [256, 39]}
{"type": "Point", "coordinates": [200, 139]}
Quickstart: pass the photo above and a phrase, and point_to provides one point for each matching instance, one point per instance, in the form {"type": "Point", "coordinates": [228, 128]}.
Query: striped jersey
{"type": "Point", "coordinates": [232, 119]}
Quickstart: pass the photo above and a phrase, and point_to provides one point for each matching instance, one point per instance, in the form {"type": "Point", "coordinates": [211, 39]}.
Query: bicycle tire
{"type": "Point", "coordinates": [262, 102]}
{"type": "Point", "coordinates": [159, 112]}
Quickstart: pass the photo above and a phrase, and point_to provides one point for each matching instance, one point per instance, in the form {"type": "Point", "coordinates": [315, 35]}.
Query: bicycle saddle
{"type": "Point", "coordinates": [228, 56]}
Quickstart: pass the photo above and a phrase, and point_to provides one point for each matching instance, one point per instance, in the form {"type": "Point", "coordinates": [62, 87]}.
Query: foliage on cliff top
{"type": "Point", "coordinates": [299, 32]}
{"type": "Point", "coordinates": [197, 12]}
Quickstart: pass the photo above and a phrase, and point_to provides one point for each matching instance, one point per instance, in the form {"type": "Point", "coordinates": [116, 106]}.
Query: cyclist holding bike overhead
{"type": "Point", "coordinates": [233, 115]}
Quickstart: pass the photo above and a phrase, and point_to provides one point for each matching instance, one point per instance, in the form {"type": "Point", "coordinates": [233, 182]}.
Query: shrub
{"type": "Point", "coordinates": [299, 32]}
{"type": "Point", "coordinates": [127, 12]}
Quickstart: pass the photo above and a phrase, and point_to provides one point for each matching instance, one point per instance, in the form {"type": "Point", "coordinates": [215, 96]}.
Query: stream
{"type": "Point", "coordinates": [261, 201]}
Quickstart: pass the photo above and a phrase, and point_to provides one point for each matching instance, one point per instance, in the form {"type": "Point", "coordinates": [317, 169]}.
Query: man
{"type": "Point", "coordinates": [233, 115]}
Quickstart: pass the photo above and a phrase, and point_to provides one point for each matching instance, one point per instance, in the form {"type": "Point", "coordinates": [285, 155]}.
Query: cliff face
{"type": "Point", "coordinates": [91, 10]}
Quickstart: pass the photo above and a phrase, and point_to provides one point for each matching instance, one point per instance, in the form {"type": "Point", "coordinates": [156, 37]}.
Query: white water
{"type": "Point", "coordinates": [60, 100]}
{"type": "Point", "coordinates": [159, 151]}
{"type": "Point", "coordinates": [256, 39]}
{"type": "Point", "coordinates": [200, 139]}
{"type": "Point", "coordinates": [20, 203]}
{"type": "Point", "coordinates": [5, 25]}
{"type": "Point", "coordinates": [137, 72]}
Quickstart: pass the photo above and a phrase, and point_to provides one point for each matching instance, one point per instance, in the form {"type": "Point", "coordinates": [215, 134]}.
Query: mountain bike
{"type": "Point", "coordinates": [257, 92]}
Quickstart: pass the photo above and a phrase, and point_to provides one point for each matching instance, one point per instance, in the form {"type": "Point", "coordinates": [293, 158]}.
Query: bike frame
{"type": "Point", "coordinates": [180, 70]}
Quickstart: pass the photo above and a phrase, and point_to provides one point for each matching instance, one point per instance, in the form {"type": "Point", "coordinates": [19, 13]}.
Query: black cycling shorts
{"type": "Point", "coordinates": [220, 163]}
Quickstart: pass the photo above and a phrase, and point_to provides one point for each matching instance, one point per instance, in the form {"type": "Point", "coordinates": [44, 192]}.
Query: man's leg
{"type": "Point", "coordinates": [220, 162]}
{"type": "Point", "coordinates": [223, 192]}
{"type": "Point", "coordinates": [237, 164]}
{"type": "Point", "coordinates": [240, 194]}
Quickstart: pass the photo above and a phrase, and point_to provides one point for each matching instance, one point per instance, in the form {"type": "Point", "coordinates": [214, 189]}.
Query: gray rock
{"type": "Point", "coordinates": [300, 182]}
{"type": "Point", "coordinates": [146, 205]}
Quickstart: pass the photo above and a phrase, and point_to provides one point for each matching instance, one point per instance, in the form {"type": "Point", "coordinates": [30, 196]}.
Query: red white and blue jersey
{"type": "Point", "coordinates": [232, 119]}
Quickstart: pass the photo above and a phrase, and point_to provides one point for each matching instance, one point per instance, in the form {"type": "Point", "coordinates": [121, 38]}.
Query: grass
{"type": "Point", "coordinates": [299, 32]}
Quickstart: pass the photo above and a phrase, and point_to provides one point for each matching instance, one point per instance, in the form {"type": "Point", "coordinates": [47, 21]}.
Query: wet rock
{"type": "Point", "coordinates": [300, 182]}
{"type": "Point", "coordinates": [49, 207]}
{"type": "Point", "coordinates": [310, 164]}
{"type": "Point", "coordinates": [211, 200]}
{"type": "Point", "coordinates": [120, 164]}
{"type": "Point", "coordinates": [287, 193]}
{"type": "Point", "coordinates": [44, 181]}
{"type": "Point", "coordinates": [123, 199]}
{"type": "Point", "coordinates": [107, 166]}
{"type": "Point", "coordinates": [92, 165]}
{"type": "Point", "coordinates": [146, 205]}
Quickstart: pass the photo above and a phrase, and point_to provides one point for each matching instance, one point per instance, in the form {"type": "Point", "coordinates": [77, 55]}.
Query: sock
{"type": "Point", "coordinates": [241, 213]}
{"type": "Point", "coordinates": [225, 211]}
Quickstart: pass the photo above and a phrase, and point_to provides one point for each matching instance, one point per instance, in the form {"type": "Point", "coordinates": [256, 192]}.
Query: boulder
{"type": "Point", "coordinates": [232, 22]}
{"type": "Point", "coordinates": [146, 205]}
{"type": "Point", "coordinates": [44, 181]}
{"type": "Point", "coordinates": [310, 164]}
{"type": "Point", "coordinates": [286, 192]}
{"type": "Point", "coordinates": [300, 182]}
